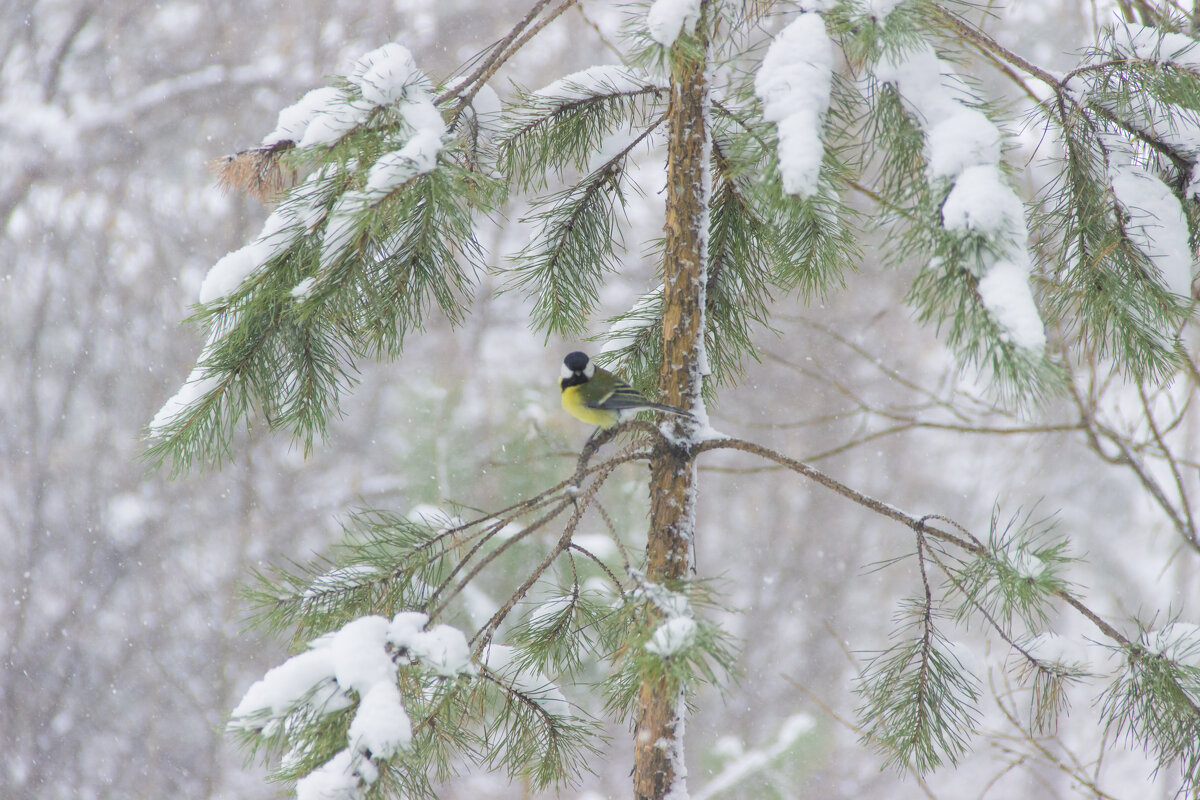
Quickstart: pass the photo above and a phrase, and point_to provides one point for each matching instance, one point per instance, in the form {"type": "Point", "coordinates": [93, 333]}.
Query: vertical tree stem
{"type": "Point", "coordinates": [658, 746]}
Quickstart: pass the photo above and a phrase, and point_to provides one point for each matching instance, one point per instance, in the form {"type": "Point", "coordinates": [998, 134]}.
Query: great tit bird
{"type": "Point", "coordinates": [595, 395]}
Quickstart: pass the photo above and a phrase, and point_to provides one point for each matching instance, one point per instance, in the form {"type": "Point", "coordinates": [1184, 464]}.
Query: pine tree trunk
{"type": "Point", "coordinates": [658, 746]}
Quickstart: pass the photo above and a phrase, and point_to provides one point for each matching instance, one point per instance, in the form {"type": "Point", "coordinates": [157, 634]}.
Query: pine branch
{"type": "Point", "coordinates": [580, 502]}
{"type": "Point", "coordinates": [575, 246]}
{"type": "Point", "coordinates": [1155, 701]}
{"type": "Point", "coordinates": [528, 739]}
{"type": "Point", "coordinates": [565, 124]}
{"type": "Point", "coordinates": [346, 275]}
{"type": "Point", "coordinates": [1019, 575]}
{"type": "Point", "coordinates": [920, 701]}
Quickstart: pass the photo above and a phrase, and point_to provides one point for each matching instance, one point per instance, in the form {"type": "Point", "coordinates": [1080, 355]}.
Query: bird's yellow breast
{"type": "Point", "coordinates": [573, 403]}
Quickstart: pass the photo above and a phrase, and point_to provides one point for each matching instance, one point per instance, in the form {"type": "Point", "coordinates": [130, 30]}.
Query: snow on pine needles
{"type": "Point", "coordinates": [962, 148]}
{"type": "Point", "coordinates": [793, 84]}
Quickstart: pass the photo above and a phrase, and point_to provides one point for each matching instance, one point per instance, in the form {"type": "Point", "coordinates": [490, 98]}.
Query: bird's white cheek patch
{"type": "Point", "coordinates": [589, 370]}
{"type": "Point", "coordinates": [564, 371]}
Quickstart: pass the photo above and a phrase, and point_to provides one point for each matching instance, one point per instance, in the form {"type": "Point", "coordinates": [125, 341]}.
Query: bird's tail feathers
{"type": "Point", "coordinates": [679, 412]}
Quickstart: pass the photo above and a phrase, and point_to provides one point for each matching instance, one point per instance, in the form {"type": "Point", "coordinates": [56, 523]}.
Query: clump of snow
{"type": "Point", "coordinates": [671, 604]}
{"type": "Point", "coordinates": [300, 212]}
{"type": "Point", "coordinates": [963, 140]}
{"type": "Point", "coordinates": [982, 202]}
{"type": "Point", "coordinates": [359, 658]}
{"type": "Point", "coordinates": [306, 676]}
{"type": "Point", "coordinates": [707, 433]}
{"type": "Point", "coordinates": [323, 116]}
{"type": "Point", "coordinates": [390, 172]}
{"type": "Point", "coordinates": [928, 86]}
{"type": "Point", "coordinates": [443, 649]}
{"type": "Point", "coordinates": [293, 121]}
{"type": "Point", "coordinates": [879, 10]}
{"type": "Point", "coordinates": [394, 169]}
{"type": "Point", "coordinates": [793, 84]}
{"type": "Point", "coordinates": [231, 270]}
{"type": "Point", "coordinates": [1176, 126]}
{"type": "Point", "coordinates": [279, 231]}
{"type": "Point", "coordinates": [333, 780]}
{"type": "Point", "coordinates": [957, 135]}
{"type": "Point", "coordinates": [422, 115]}
{"type": "Point", "coordinates": [304, 288]}
{"type": "Point", "coordinates": [343, 224]}
{"type": "Point", "coordinates": [381, 726]}
{"type": "Point", "coordinates": [385, 74]}
{"type": "Point", "coordinates": [601, 79]}
{"type": "Point", "coordinates": [418, 156]}
{"type": "Point", "coordinates": [666, 18]}
{"type": "Point", "coordinates": [200, 382]}
{"type": "Point", "coordinates": [962, 147]}
{"type": "Point", "coordinates": [671, 636]}
{"type": "Point", "coordinates": [334, 120]}
{"type": "Point", "coordinates": [366, 769]}
{"type": "Point", "coordinates": [1156, 224]}
{"type": "Point", "coordinates": [405, 627]}
{"type": "Point", "coordinates": [678, 629]}
{"type": "Point", "coordinates": [1005, 293]}
{"type": "Point", "coordinates": [1154, 218]}
{"type": "Point", "coordinates": [485, 108]}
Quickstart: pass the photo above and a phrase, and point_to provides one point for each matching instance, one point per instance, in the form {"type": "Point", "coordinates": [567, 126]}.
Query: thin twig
{"type": "Point", "coordinates": [982, 40]}
{"type": "Point", "coordinates": [504, 51]}
{"type": "Point", "coordinates": [1188, 531]}
{"type": "Point", "coordinates": [919, 524]}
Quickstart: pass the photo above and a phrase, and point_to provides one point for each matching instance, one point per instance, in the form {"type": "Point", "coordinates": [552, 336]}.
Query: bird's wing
{"type": "Point", "coordinates": [622, 396]}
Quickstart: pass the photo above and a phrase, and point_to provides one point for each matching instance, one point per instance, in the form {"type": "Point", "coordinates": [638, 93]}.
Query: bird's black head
{"type": "Point", "coordinates": [576, 362]}
{"type": "Point", "coordinates": [577, 369]}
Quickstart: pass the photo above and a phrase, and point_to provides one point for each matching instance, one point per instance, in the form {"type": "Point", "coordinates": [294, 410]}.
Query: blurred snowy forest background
{"type": "Point", "coordinates": [124, 648]}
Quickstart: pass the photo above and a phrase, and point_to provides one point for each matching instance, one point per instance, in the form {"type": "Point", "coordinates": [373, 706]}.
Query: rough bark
{"type": "Point", "coordinates": [660, 714]}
